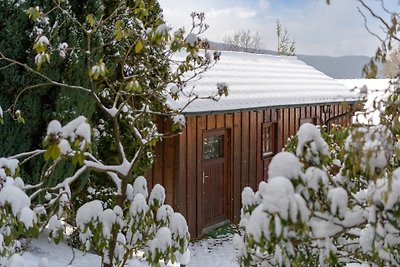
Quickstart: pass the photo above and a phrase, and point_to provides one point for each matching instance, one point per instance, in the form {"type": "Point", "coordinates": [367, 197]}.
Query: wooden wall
{"type": "Point", "coordinates": [179, 160]}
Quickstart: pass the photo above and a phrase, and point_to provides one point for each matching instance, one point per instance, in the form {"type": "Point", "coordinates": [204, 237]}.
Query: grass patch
{"type": "Point", "coordinates": [223, 231]}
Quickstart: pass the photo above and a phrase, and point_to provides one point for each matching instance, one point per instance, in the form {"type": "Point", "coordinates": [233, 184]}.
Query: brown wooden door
{"type": "Point", "coordinates": [215, 170]}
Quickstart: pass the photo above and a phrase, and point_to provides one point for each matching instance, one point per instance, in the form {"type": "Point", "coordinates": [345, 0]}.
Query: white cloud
{"type": "Point", "coordinates": [239, 12]}
{"type": "Point", "coordinates": [264, 4]}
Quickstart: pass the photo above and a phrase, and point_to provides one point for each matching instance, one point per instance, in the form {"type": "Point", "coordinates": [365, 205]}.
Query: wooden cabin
{"type": "Point", "coordinates": [228, 145]}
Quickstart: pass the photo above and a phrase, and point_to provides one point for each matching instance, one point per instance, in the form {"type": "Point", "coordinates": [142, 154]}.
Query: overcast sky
{"type": "Point", "coordinates": [318, 28]}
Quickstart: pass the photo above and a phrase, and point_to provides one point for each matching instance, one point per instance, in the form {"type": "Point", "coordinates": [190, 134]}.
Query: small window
{"type": "Point", "coordinates": [269, 139]}
{"type": "Point", "coordinates": [214, 147]}
{"type": "Point", "coordinates": [312, 120]}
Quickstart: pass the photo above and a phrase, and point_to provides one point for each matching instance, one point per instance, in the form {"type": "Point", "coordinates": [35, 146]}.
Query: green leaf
{"type": "Point", "coordinates": [34, 231]}
{"type": "Point", "coordinates": [118, 34]}
{"type": "Point", "coordinates": [53, 152]}
{"type": "Point", "coordinates": [138, 46]}
{"type": "Point", "coordinates": [33, 13]}
{"type": "Point", "coordinates": [75, 159]}
{"type": "Point", "coordinates": [21, 120]}
{"type": "Point", "coordinates": [78, 158]}
{"type": "Point", "coordinates": [47, 154]}
{"type": "Point", "coordinates": [39, 48]}
{"type": "Point", "coordinates": [90, 19]}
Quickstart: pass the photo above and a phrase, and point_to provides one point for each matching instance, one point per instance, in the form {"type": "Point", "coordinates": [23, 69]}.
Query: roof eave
{"type": "Point", "coordinates": [213, 112]}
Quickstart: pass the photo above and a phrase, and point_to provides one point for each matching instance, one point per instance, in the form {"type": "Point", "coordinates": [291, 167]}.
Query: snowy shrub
{"type": "Point", "coordinates": [127, 54]}
{"type": "Point", "coordinates": [310, 215]}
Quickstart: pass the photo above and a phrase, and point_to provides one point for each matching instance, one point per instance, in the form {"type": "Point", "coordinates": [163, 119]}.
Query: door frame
{"type": "Point", "coordinates": [227, 133]}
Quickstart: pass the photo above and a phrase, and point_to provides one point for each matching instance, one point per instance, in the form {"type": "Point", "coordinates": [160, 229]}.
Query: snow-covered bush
{"type": "Point", "coordinates": [309, 215]}
{"type": "Point", "coordinates": [130, 69]}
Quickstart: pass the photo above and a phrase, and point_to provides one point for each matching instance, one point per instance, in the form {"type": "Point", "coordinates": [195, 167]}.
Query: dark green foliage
{"type": "Point", "coordinates": [16, 138]}
{"type": "Point", "coordinates": [40, 105]}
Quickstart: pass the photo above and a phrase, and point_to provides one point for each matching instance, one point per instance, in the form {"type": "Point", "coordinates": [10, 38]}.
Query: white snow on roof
{"type": "Point", "coordinates": [257, 81]}
{"type": "Point", "coordinates": [374, 90]}
{"type": "Point", "coordinates": [371, 84]}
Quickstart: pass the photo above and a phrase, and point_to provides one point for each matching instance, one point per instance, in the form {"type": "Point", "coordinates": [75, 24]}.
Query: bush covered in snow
{"type": "Point", "coordinates": [311, 215]}
{"type": "Point", "coordinates": [130, 72]}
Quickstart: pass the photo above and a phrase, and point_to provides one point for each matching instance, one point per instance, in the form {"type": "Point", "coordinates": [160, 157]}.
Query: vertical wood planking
{"type": "Point", "coordinates": [245, 149]}
{"type": "Point", "coordinates": [274, 114]}
{"type": "Point", "coordinates": [314, 114]}
{"type": "Point", "coordinates": [292, 119]}
{"type": "Point", "coordinates": [149, 174]}
{"type": "Point", "coordinates": [191, 187]}
{"type": "Point", "coordinates": [210, 121]}
{"type": "Point", "coordinates": [237, 167]}
{"type": "Point", "coordinates": [286, 123]}
{"type": "Point", "coordinates": [279, 119]}
{"type": "Point", "coordinates": [168, 169]}
{"type": "Point", "coordinates": [303, 113]}
{"type": "Point", "coordinates": [181, 181]}
{"type": "Point", "coordinates": [253, 150]}
{"type": "Point", "coordinates": [229, 125]}
{"type": "Point", "coordinates": [297, 119]}
{"type": "Point", "coordinates": [220, 121]}
{"type": "Point", "coordinates": [158, 162]}
{"type": "Point", "coordinates": [201, 126]}
{"type": "Point", "coordinates": [259, 159]}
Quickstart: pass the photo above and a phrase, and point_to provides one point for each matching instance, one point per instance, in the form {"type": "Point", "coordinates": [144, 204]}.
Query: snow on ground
{"type": "Point", "coordinates": [214, 252]}
{"type": "Point", "coordinates": [207, 252]}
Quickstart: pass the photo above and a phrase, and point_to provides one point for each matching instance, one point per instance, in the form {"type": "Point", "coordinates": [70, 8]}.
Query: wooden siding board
{"type": "Point", "coordinates": [220, 121]}
{"type": "Point", "coordinates": [297, 119]}
{"type": "Point", "coordinates": [158, 162]}
{"type": "Point", "coordinates": [286, 123]}
{"type": "Point", "coordinates": [229, 125]}
{"type": "Point", "coordinates": [191, 175]}
{"type": "Point", "coordinates": [259, 159]}
{"type": "Point", "coordinates": [245, 149]}
{"type": "Point", "coordinates": [210, 121]}
{"type": "Point", "coordinates": [237, 167]}
{"type": "Point", "coordinates": [293, 118]}
{"type": "Point", "coordinates": [201, 126]}
{"type": "Point", "coordinates": [181, 182]}
{"type": "Point", "coordinates": [274, 114]}
{"type": "Point", "coordinates": [168, 169]}
{"type": "Point", "coordinates": [252, 150]}
{"type": "Point", "coordinates": [149, 175]}
{"type": "Point", "coordinates": [302, 113]}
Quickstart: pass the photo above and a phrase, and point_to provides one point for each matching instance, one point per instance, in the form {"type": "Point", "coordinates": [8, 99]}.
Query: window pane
{"type": "Point", "coordinates": [214, 147]}
{"type": "Point", "coordinates": [269, 140]}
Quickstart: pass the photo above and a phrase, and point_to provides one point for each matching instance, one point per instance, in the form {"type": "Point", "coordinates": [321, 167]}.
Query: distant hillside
{"type": "Point", "coordinates": [337, 67]}
{"type": "Point", "coordinates": [344, 67]}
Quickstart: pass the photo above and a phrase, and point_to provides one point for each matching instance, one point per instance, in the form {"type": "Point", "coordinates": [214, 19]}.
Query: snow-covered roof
{"type": "Point", "coordinates": [258, 81]}
{"type": "Point", "coordinates": [371, 84]}
{"type": "Point", "coordinates": [374, 90]}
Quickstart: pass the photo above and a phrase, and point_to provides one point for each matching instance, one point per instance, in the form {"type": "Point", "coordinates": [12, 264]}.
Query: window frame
{"type": "Point", "coordinates": [272, 140]}
{"type": "Point", "coordinates": [221, 147]}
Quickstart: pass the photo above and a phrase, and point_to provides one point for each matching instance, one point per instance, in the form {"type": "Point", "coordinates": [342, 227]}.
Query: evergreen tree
{"type": "Point", "coordinates": [46, 102]}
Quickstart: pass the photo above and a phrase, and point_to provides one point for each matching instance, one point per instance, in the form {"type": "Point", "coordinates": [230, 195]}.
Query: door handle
{"type": "Point", "coordinates": [204, 176]}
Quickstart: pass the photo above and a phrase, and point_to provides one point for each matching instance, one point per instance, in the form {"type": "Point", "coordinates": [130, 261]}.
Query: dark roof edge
{"type": "Point", "coordinates": [212, 112]}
